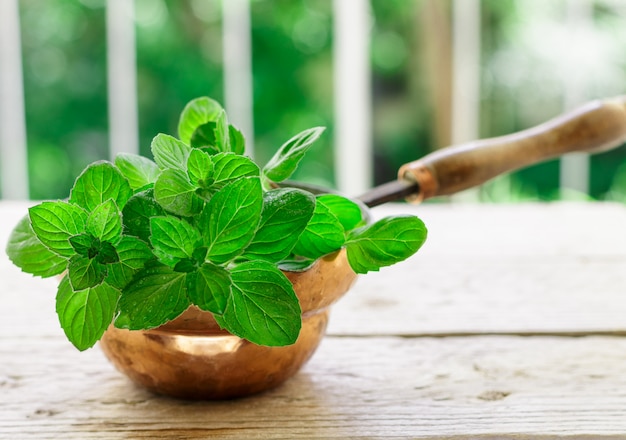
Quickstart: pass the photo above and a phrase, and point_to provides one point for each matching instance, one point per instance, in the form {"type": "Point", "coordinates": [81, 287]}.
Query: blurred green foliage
{"type": "Point", "coordinates": [179, 45]}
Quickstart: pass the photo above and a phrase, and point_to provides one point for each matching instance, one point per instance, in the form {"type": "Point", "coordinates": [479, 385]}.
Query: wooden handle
{"type": "Point", "coordinates": [596, 126]}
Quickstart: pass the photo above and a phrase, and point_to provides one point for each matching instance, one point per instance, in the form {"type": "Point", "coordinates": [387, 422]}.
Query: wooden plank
{"type": "Point", "coordinates": [390, 381]}
{"type": "Point", "coordinates": [523, 269]}
{"type": "Point", "coordinates": [492, 387]}
{"type": "Point", "coordinates": [527, 230]}
{"type": "Point", "coordinates": [443, 297]}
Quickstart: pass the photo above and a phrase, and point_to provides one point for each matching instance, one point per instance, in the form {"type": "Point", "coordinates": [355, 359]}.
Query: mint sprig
{"type": "Point", "coordinates": [143, 239]}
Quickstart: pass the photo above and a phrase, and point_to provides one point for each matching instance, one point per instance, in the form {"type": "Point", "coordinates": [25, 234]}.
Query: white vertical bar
{"type": "Point", "coordinates": [13, 156]}
{"type": "Point", "coordinates": [465, 70]}
{"type": "Point", "coordinates": [465, 78]}
{"type": "Point", "coordinates": [352, 82]}
{"type": "Point", "coordinates": [237, 56]}
{"type": "Point", "coordinates": [574, 167]}
{"type": "Point", "coordinates": [122, 77]}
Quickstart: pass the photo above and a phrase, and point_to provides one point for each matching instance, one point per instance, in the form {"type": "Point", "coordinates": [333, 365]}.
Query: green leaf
{"type": "Point", "coordinates": [85, 315]}
{"type": "Point", "coordinates": [263, 307]}
{"type": "Point", "coordinates": [209, 288]}
{"type": "Point", "coordinates": [196, 113]}
{"type": "Point", "coordinates": [133, 255]}
{"type": "Point", "coordinates": [173, 239]}
{"type": "Point", "coordinates": [200, 169]}
{"type": "Point", "coordinates": [348, 212]}
{"type": "Point", "coordinates": [222, 134]}
{"type": "Point", "coordinates": [105, 222]}
{"type": "Point", "coordinates": [204, 138]}
{"type": "Point", "coordinates": [85, 244]}
{"type": "Point", "coordinates": [155, 296]}
{"type": "Point", "coordinates": [186, 265]}
{"type": "Point", "coordinates": [324, 234]}
{"type": "Point", "coordinates": [237, 141]}
{"type": "Point", "coordinates": [138, 170]}
{"type": "Point", "coordinates": [170, 153]}
{"type": "Point", "coordinates": [85, 272]}
{"type": "Point", "coordinates": [98, 183]}
{"type": "Point", "coordinates": [286, 213]}
{"type": "Point", "coordinates": [137, 213]}
{"type": "Point", "coordinates": [386, 242]}
{"type": "Point", "coordinates": [176, 194]}
{"type": "Point", "coordinates": [199, 254]}
{"type": "Point", "coordinates": [29, 254]}
{"type": "Point", "coordinates": [55, 222]}
{"type": "Point", "coordinates": [296, 265]}
{"type": "Point", "coordinates": [230, 166]}
{"type": "Point", "coordinates": [231, 217]}
{"type": "Point", "coordinates": [289, 155]}
{"type": "Point", "coordinates": [107, 253]}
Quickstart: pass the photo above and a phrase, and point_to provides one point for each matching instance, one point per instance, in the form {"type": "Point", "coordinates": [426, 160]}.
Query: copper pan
{"type": "Point", "coordinates": [191, 357]}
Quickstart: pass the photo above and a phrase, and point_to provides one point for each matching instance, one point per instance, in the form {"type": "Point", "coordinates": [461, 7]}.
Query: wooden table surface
{"type": "Point", "coordinates": [509, 323]}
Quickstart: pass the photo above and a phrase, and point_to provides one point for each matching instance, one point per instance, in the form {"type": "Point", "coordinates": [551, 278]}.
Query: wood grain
{"type": "Point", "coordinates": [508, 324]}
{"type": "Point", "coordinates": [353, 388]}
{"type": "Point", "coordinates": [516, 269]}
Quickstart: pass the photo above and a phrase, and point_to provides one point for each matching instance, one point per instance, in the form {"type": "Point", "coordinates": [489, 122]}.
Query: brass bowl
{"type": "Point", "coordinates": [192, 358]}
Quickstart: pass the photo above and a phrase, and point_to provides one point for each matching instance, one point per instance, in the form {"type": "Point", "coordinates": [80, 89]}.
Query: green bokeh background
{"type": "Point", "coordinates": [179, 57]}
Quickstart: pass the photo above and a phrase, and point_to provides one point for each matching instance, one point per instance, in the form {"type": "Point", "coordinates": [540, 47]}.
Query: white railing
{"type": "Point", "coordinates": [122, 78]}
{"type": "Point", "coordinates": [353, 124]}
{"type": "Point", "coordinates": [13, 162]}
{"type": "Point", "coordinates": [237, 52]}
{"type": "Point", "coordinates": [574, 173]}
{"type": "Point", "coordinates": [465, 106]}
{"type": "Point", "coordinates": [353, 138]}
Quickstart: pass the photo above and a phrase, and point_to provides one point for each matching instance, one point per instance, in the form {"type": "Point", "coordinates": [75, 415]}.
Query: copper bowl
{"type": "Point", "coordinates": [192, 358]}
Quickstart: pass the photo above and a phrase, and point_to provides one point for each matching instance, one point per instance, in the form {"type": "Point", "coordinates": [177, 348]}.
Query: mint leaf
{"type": "Point", "coordinates": [386, 242]}
{"type": "Point", "coordinates": [105, 222]}
{"type": "Point", "coordinates": [98, 183]}
{"type": "Point", "coordinates": [282, 165]}
{"type": "Point", "coordinates": [133, 254]}
{"type": "Point", "coordinates": [296, 265]}
{"type": "Point", "coordinates": [85, 244]}
{"type": "Point", "coordinates": [55, 222]}
{"type": "Point", "coordinates": [169, 152]}
{"type": "Point", "coordinates": [231, 217]}
{"type": "Point", "coordinates": [176, 194]}
{"type": "Point", "coordinates": [286, 213]}
{"type": "Point", "coordinates": [237, 141]}
{"type": "Point", "coordinates": [222, 134]}
{"type": "Point", "coordinates": [85, 315]}
{"type": "Point", "coordinates": [186, 265]}
{"type": "Point", "coordinates": [173, 239]}
{"type": "Point", "coordinates": [209, 288]}
{"type": "Point", "coordinates": [200, 169]}
{"type": "Point", "coordinates": [137, 213]}
{"type": "Point", "coordinates": [85, 272]}
{"type": "Point", "coordinates": [29, 254]}
{"type": "Point", "coordinates": [263, 307]}
{"type": "Point", "coordinates": [204, 138]}
{"type": "Point", "coordinates": [230, 166]}
{"type": "Point", "coordinates": [107, 253]}
{"type": "Point", "coordinates": [324, 234]}
{"type": "Point", "coordinates": [156, 295]}
{"type": "Point", "coordinates": [196, 113]}
{"type": "Point", "coordinates": [348, 212]}
{"type": "Point", "coordinates": [138, 170]}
